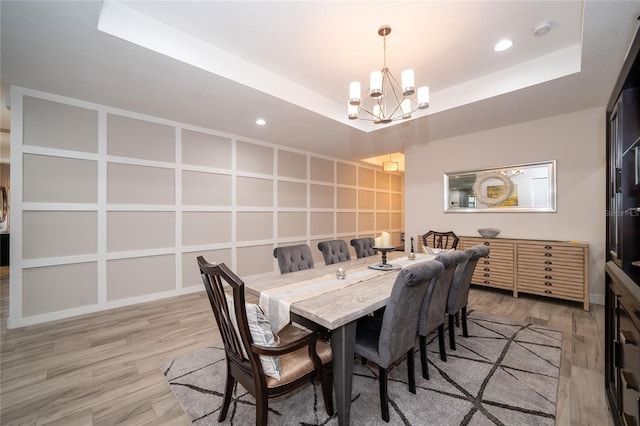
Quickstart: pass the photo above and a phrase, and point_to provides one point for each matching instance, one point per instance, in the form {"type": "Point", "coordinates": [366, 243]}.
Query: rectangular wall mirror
{"type": "Point", "coordinates": [518, 188]}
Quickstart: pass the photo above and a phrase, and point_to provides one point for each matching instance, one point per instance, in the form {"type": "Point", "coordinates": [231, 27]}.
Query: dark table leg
{"type": "Point", "coordinates": [342, 345]}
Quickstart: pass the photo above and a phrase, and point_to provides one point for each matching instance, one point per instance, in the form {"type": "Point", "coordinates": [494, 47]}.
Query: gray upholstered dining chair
{"type": "Point", "coordinates": [459, 291]}
{"type": "Point", "coordinates": [293, 258]}
{"type": "Point", "coordinates": [434, 306]}
{"type": "Point", "coordinates": [334, 251]}
{"type": "Point", "coordinates": [388, 341]}
{"type": "Point", "coordinates": [364, 247]}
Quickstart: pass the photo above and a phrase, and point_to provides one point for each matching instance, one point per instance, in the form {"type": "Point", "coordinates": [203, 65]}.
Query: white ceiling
{"type": "Point", "coordinates": [221, 65]}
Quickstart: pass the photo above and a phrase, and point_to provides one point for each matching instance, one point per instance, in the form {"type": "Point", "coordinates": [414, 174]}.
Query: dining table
{"type": "Point", "coordinates": [316, 297]}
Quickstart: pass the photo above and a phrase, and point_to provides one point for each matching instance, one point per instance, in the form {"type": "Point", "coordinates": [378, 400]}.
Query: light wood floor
{"type": "Point", "coordinates": [104, 368]}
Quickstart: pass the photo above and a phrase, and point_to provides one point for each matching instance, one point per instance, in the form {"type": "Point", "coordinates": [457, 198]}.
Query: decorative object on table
{"type": "Point", "coordinates": [412, 255]}
{"type": "Point", "coordinates": [341, 274]}
{"type": "Point", "coordinates": [384, 266]}
{"type": "Point", "coordinates": [384, 240]}
{"type": "Point", "coordinates": [386, 100]}
{"type": "Point", "coordinates": [508, 368]}
{"type": "Point", "coordinates": [489, 232]}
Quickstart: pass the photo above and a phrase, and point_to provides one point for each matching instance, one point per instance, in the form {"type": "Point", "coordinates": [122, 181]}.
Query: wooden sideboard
{"type": "Point", "coordinates": [558, 269]}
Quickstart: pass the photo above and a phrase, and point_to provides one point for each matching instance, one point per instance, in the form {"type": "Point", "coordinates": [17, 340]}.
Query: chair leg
{"type": "Point", "coordinates": [228, 391]}
{"type": "Point", "coordinates": [452, 337]}
{"type": "Point", "coordinates": [443, 352]}
{"type": "Point", "coordinates": [423, 357]}
{"type": "Point", "coordinates": [465, 331]}
{"type": "Point", "coordinates": [411, 371]}
{"type": "Point", "coordinates": [262, 408]}
{"type": "Point", "coordinates": [327, 390]}
{"type": "Point", "coordinates": [384, 396]}
{"type": "Point", "coordinates": [458, 319]}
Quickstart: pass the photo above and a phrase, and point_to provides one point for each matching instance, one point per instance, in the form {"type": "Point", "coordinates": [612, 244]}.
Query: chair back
{"type": "Point", "coordinates": [232, 320]}
{"type": "Point", "coordinates": [400, 320]}
{"type": "Point", "coordinates": [293, 258]}
{"type": "Point", "coordinates": [440, 240]}
{"type": "Point", "coordinates": [334, 251]}
{"type": "Point", "coordinates": [459, 291]}
{"type": "Point", "coordinates": [434, 304]}
{"type": "Point", "coordinates": [364, 247]}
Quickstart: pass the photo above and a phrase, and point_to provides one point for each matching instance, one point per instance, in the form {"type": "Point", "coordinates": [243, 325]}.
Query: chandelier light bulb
{"type": "Point", "coordinates": [354, 93]}
{"type": "Point", "coordinates": [375, 84]}
{"type": "Point", "coordinates": [353, 111]}
{"type": "Point", "coordinates": [408, 83]}
{"type": "Point", "coordinates": [406, 108]}
{"type": "Point", "coordinates": [423, 97]}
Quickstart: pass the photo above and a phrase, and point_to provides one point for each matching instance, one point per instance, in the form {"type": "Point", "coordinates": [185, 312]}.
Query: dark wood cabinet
{"type": "Point", "coordinates": [4, 249]}
{"type": "Point", "coordinates": [622, 297]}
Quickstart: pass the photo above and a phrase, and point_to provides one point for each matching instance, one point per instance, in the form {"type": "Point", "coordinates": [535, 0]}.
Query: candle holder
{"type": "Point", "coordinates": [412, 255]}
{"type": "Point", "coordinates": [384, 266]}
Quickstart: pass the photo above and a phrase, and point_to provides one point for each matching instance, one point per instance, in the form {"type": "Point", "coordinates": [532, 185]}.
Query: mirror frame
{"type": "Point", "coordinates": [4, 208]}
{"type": "Point", "coordinates": [551, 170]}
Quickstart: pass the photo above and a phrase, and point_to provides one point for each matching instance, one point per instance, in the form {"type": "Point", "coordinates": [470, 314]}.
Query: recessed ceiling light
{"type": "Point", "coordinates": [261, 122]}
{"type": "Point", "coordinates": [503, 45]}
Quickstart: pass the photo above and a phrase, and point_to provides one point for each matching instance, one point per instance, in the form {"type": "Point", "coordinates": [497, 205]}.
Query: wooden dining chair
{"type": "Point", "coordinates": [459, 292]}
{"type": "Point", "coordinates": [440, 240]}
{"type": "Point", "coordinates": [293, 258]}
{"type": "Point", "coordinates": [434, 306]}
{"type": "Point", "coordinates": [364, 247]}
{"type": "Point", "coordinates": [265, 364]}
{"type": "Point", "coordinates": [334, 251]}
{"type": "Point", "coordinates": [386, 342]}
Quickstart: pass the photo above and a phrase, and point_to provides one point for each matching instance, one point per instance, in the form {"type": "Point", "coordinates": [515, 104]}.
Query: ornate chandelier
{"type": "Point", "coordinates": [387, 100]}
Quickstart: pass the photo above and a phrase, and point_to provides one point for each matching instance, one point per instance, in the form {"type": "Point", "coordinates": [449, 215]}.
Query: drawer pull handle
{"type": "Point", "coordinates": [547, 283]}
{"type": "Point", "coordinates": [548, 262]}
{"type": "Point", "coordinates": [487, 282]}
{"type": "Point", "coordinates": [628, 381]}
{"type": "Point", "coordinates": [548, 269]}
{"type": "Point", "coordinates": [487, 243]}
{"type": "Point", "coordinates": [487, 275]}
{"type": "Point", "coordinates": [486, 262]}
{"type": "Point", "coordinates": [625, 339]}
{"type": "Point", "coordinates": [548, 291]}
{"type": "Point", "coordinates": [487, 269]}
{"type": "Point", "coordinates": [548, 247]}
{"type": "Point", "coordinates": [548, 254]}
{"type": "Point", "coordinates": [548, 277]}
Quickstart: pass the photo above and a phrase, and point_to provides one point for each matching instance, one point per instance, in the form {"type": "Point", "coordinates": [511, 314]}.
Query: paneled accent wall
{"type": "Point", "coordinates": [114, 206]}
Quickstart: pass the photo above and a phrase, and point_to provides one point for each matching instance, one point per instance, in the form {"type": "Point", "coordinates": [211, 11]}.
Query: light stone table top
{"type": "Point", "coordinates": [337, 308]}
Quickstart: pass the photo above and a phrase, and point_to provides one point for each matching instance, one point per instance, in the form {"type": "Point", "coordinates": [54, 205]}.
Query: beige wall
{"type": "Point", "coordinates": [576, 141]}
{"type": "Point", "coordinates": [114, 207]}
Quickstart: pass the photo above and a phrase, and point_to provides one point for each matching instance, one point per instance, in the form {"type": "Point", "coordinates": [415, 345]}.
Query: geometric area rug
{"type": "Point", "coordinates": [505, 373]}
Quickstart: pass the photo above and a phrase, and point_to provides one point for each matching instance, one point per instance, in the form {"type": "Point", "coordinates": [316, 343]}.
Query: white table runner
{"type": "Point", "coordinates": [276, 302]}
